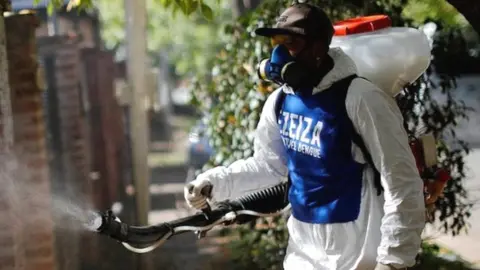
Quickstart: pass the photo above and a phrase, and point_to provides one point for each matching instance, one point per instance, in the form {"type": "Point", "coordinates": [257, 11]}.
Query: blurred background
{"type": "Point", "coordinates": [116, 104]}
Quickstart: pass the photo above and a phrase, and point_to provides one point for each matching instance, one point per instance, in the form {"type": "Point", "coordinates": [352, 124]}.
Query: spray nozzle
{"type": "Point", "coordinates": [94, 221]}
{"type": "Point", "coordinates": [108, 224]}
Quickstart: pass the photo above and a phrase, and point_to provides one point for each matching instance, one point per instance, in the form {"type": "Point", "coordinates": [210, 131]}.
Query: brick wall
{"type": "Point", "coordinates": [32, 240]}
{"type": "Point", "coordinates": [53, 155]}
{"type": "Point", "coordinates": [6, 133]}
{"type": "Point", "coordinates": [68, 124]}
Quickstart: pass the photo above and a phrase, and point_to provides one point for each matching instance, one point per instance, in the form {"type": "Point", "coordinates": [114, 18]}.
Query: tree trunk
{"type": "Point", "coordinates": [240, 7]}
{"type": "Point", "coordinates": [6, 125]}
{"type": "Point", "coordinates": [470, 9]}
{"type": "Point", "coordinates": [251, 4]}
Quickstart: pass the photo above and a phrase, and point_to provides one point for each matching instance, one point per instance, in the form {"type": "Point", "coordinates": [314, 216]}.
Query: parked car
{"type": "Point", "coordinates": [199, 149]}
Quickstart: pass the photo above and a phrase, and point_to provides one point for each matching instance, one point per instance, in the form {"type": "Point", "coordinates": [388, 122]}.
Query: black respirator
{"type": "Point", "coordinates": [281, 68]}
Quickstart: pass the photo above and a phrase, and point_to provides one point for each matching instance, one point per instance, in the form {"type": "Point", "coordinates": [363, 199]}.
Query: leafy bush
{"type": "Point", "coordinates": [430, 258]}
{"type": "Point", "coordinates": [262, 247]}
{"type": "Point", "coordinates": [234, 96]}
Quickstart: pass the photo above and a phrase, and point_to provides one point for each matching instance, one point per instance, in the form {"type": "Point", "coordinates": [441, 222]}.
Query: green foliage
{"type": "Point", "coordinates": [231, 96]}
{"type": "Point", "coordinates": [186, 7]}
{"type": "Point", "coordinates": [58, 4]}
{"type": "Point", "coordinates": [431, 258]}
{"type": "Point", "coordinates": [441, 10]}
{"type": "Point", "coordinates": [189, 40]}
{"type": "Point", "coordinates": [260, 248]}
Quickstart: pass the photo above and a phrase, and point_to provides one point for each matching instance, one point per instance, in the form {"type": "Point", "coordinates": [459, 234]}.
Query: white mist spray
{"type": "Point", "coordinates": [93, 222]}
{"type": "Point", "coordinates": [38, 204]}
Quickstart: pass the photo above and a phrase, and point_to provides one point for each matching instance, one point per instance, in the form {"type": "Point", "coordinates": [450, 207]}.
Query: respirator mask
{"type": "Point", "coordinates": [283, 68]}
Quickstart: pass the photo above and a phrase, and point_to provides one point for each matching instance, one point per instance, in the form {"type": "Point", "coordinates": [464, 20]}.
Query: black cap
{"type": "Point", "coordinates": [301, 19]}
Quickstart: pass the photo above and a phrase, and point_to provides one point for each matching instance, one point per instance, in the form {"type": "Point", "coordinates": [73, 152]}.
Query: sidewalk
{"type": "Point", "coordinates": [167, 161]}
{"type": "Point", "coordinates": [466, 245]}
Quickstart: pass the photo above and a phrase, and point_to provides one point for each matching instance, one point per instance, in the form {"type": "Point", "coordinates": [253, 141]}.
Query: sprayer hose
{"type": "Point", "coordinates": [228, 217]}
{"type": "Point", "coordinates": [269, 202]}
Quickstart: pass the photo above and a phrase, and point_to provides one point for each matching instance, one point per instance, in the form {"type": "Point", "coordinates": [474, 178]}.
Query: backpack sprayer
{"type": "Point", "coordinates": [264, 203]}
{"type": "Point", "coordinates": [391, 57]}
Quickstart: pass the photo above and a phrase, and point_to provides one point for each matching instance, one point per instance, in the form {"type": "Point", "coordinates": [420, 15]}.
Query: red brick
{"type": "Point", "coordinates": [37, 163]}
{"type": "Point", "coordinates": [38, 250]}
{"type": "Point", "coordinates": [7, 251]}
{"type": "Point", "coordinates": [38, 206]}
{"type": "Point", "coordinates": [37, 176]}
{"type": "Point", "coordinates": [7, 240]}
{"type": "Point", "coordinates": [40, 265]}
{"type": "Point", "coordinates": [41, 237]}
{"type": "Point", "coordinates": [28, 106]}
{"type": "Point", "coordinates": [29, 136]}
{"type": "Point", "coordinates": [29, 132]}
{"type": "Point", "coordinates": [4, 204]}
{"type": "Point", "coordinates": [7, 262]}
{"type": "Point", "coordinates": [39, 222]}
{"type": "Point", "coordinates": [29, 119]}
{"type": "Point", "coordinates": [5, 224]}
{"type": "Point", "coordinates": [31, 151]}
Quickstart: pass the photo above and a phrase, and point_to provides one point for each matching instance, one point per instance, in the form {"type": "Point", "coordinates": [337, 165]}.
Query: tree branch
{"type": "Point", "coordinates": [470, 10]}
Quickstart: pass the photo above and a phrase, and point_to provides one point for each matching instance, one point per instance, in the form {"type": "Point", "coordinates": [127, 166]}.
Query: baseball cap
{"type": "Point", "coordinates": [301, 19]}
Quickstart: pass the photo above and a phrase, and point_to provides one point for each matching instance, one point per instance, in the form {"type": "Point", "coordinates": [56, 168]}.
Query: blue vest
{"type": "Point", "coordinates": [326, 182]}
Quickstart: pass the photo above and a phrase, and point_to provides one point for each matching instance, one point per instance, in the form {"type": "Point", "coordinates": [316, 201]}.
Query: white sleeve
{"type": "Point", "coordinates": [378, 120]}
{"type": "Point", "coordinates": [267, 166]}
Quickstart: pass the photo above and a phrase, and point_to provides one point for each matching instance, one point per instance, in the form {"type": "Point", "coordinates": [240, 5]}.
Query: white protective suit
{"type": "Point", "coordinates": [389, 227]}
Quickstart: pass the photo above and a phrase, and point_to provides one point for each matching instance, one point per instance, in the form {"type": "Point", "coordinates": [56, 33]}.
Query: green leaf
{"type": "Point", "coordinates": [166, 3]}
{"type": "Point", "coordinates": [207, 11]}
{"type": "Point", "coordinates": [191, 6]}
{"type": "Point", "coordinates": [182, 5]}
{"type": "Point", "coordinates": [50, 8]}
{"type": "Point", "coordinates": [175, 9]}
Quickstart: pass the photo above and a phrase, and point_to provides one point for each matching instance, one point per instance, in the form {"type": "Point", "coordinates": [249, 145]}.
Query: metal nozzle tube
{"type": "Point", "coordinates": [113, 227]}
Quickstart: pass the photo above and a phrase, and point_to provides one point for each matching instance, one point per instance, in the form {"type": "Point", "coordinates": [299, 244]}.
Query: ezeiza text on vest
{"type": "Point", "coordinates": [300, 133]}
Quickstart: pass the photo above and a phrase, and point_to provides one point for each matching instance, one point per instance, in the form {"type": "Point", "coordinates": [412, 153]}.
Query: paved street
{"type": "Point", "coordinates": [168, 174]}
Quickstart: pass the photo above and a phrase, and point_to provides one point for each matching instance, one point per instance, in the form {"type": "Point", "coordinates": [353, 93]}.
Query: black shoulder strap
{"type": "Point", "coordinates": [279, 103]}
{"type": "Point", "coordinates": [356, 138]}
{"type": "Point", "coordinates": [278, 108]}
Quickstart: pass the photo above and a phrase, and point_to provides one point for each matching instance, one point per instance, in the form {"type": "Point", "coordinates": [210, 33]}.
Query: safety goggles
{"type": "Point", "coordinates": [282, 40]}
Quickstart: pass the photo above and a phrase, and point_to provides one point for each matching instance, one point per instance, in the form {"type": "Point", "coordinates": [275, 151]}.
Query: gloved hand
{"type": "Point", "coordinates": [197, 192]}
{"type": "Point", "coordinates": [380, 266]}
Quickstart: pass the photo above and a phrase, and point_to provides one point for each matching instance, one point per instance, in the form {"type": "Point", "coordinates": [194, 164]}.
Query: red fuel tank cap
{"type": "Point", "coordinates": [362, 25]}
